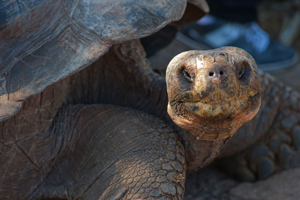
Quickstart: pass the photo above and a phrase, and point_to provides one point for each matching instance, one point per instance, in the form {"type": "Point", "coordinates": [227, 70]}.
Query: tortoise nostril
{"type": "Point", "coordinates": [221, 72]}
{"type": "Point", "coordinates": [211, 74]}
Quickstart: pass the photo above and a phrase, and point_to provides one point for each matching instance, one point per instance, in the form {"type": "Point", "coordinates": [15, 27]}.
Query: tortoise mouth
{"type": "Point", "coordinates": [218, 96]}
{"type": "Point", "coordinates": [211, 108]}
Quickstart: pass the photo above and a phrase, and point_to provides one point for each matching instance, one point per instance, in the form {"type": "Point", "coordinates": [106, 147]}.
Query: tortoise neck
{"type": "Point", "coordinates": [122, 77]}
{"type": "Point", "coordinates": [128, 80]}
{"type": "Point", "coordinates": [199, 153]}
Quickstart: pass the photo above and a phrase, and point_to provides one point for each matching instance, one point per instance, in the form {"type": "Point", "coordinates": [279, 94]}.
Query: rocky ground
{"type": "Point", "coordinates": [211, 183]}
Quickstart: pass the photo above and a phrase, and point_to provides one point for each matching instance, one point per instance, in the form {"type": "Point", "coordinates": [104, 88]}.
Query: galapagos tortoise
{"type": "Point", "coordinates": [33, 137]}
{"type": "Point", "coordinates": [73, 140]}
{"type": "Point", "coordinates": [104, 132]}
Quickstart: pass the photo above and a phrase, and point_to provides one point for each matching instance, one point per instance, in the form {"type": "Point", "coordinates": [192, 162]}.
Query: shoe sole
{"type": "Point", "coordinates": [279, 66]}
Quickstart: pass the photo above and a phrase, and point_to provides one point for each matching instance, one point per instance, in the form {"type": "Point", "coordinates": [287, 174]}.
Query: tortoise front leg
{"type": "Point", "coordinates": [118, 153]}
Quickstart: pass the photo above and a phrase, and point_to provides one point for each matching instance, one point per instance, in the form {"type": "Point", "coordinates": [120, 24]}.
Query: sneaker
{"type": "Point", "coordinates": [210, 33]}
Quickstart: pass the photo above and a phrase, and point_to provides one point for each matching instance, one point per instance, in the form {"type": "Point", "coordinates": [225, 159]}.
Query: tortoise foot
{"type": "Point", "coordinates": [260, 161]}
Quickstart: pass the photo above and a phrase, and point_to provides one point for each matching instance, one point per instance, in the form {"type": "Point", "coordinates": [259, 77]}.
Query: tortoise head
{"type": "Point", "coordinates": [212, 93]}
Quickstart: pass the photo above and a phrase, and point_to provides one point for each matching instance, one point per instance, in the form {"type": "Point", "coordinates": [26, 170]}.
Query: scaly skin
{"type": "Point", "coordinates": [114, 152]}
{"type": "Point", "coordinates": [102, 151]}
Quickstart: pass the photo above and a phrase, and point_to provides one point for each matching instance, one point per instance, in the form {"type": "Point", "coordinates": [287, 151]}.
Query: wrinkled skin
{"type": "Point", "coordinates": [64, 148]}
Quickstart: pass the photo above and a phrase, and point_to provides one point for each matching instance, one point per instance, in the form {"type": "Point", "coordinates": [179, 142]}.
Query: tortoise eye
{"type": "Point", "coordinates": [241, 72]}
{"type": "Point", "coordinates": [187, 75]}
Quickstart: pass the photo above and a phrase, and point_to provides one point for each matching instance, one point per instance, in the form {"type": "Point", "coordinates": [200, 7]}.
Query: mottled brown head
{"type": "Point", "coordinates": [212, 93]}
